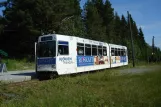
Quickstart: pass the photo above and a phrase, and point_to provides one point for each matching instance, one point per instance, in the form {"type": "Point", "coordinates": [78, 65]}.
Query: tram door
{"type": "Point", "coordinates": [66, 61]}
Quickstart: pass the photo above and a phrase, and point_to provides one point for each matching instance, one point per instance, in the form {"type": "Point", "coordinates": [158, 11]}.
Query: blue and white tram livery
{"type": "Point", "coordinates": [61, 54]}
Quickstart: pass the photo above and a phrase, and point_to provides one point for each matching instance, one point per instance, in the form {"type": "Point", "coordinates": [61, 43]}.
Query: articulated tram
{"type": "Point", "coordinates": [61, 54]}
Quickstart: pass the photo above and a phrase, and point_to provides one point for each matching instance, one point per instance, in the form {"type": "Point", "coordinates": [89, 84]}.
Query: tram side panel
{"type": "Point", "coordinates": [118, 55]}
{"type": "Point", "coordinates": [92, 61]}
{"type": "Point", "coordinates": [125, 60]}
{"type": "Point", "coordinates": [66, 61]}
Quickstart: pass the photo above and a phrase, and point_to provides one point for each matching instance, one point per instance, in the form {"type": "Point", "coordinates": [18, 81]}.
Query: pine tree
{"type": "Point", "coordinates": [1, 25]}
{"type": "Point", "coordinates": [100, 7]}
{"type": "Point", "coordinates": [94, 27]}
{"type": "Point", "coordinates": [116, 30]}
{"type": "Point", "coordinates": [142, 44]}
{"type": "Point", "coordinates": [141, 36]}
{"type": "Point", "coordinates": [108, 20]}
{"type": "Point", "coordinates": [124, 31]}
{"type": "Point", "coordinates": [29, 18]}
{"type": "Point", "coordinates": [73, 25]}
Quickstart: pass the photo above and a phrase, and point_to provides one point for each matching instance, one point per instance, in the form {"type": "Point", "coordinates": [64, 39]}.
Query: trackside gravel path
{"type": "Point", "coordinates": [140, 69]}
{"type": "Point", "coordinates": [17, 76]}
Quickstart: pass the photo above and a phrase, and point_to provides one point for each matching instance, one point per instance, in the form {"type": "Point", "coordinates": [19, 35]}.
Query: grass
{"type": "Point", "coordinates": [14, 64]}
{"type": "Point", "coordinates": [107, 88]}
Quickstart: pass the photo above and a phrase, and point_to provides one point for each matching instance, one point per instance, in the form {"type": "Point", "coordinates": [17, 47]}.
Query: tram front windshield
{"type": "Point", "coordinates": [46, 49]}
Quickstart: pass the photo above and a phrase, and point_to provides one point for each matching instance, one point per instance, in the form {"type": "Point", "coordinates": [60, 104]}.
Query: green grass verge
{"type": "Point", "coordinates": [99, 89]}
{"type": "Point", "coordinates": [14, 64]}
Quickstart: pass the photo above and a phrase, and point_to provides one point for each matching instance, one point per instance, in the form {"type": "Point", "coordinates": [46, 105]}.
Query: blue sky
{"type": "Point", "coordinates": [146, 13]}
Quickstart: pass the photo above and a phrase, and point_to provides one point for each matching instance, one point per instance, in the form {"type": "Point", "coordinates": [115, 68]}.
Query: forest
{"type": "Point", "coordinates": [23, 21]}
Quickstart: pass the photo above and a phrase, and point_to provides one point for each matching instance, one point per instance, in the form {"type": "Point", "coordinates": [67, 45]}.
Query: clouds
{"type": "Point", "coordinates": [154, 25]}
{"type": "Point", "coordinates": [141, 26]}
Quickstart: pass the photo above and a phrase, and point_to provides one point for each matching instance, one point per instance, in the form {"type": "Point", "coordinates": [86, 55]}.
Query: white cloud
{"type": "Point", "coordinates": [142, 26]}
{"type": "Point", "coordinates": [154, 25]}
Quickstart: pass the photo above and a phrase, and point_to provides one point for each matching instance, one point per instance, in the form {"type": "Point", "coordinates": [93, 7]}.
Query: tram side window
{"type": "Point", "coordinates": [112, 52]}
{"type": "Point", "coordinates": [122, 52]}
{"type": "Point", "coordinates": [116, 53]}
{"type": "Point", "coordinates": [104, 51]}
{"type": "Point", "coordinates": [63, 48]}
{"type": "Point", "coordinates": [99, 50]}
{"type": "Point", "coordinates": [88, 49]}
{"type": "Point", "coordinates": [94, 50]}
{"type": "Point", "coordinates": [80, 49]}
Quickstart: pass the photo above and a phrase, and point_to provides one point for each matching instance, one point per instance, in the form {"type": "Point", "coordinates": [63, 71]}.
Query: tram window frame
{"type": "Point", "coordinates": [104, 50]}
{"type": "Point", "coordinates": [88, 49]}
{"type": "Point", "coordinates": [64, 47]}
{"type": "Point", "coordinates": [118, 51]}
{"type": "Point", "coordinates": [116, 54]}
{"type": "Point", "coordinates": [80, 46]}
{"type": "Point", "coordinates": [94, 50]}
{"type": "Point", "coordinates": [122, 52]}
{"type": "Point", "coordinates": [100, 50]}
{"type": "Point", "coordinates": [112, 51]}
{"type": "Point", "coordinates": [125, 52]}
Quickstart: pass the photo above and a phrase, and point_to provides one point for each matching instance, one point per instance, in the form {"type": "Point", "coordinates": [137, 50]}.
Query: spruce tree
{"type": "Point", "coordinates": [108, 20]}
{"type": "Point", "coordinates": [142, 44]}
{"type": "Point", "coordinates": [116, 30]}
{"type": "Point", "coordinates": [73, 25]}
{"type": "Point", "coordinates": [141, 36]}
{"type": "Point", "coordinates": [1, 25]}
{"type": "Point", "coordinates": [29, 18]}
{"type": "Point", "coordinates": [124, 31]}
{"type": "Point", "coordinates": [94, 27]}
{"type": "Point", "coordinates": [100, 7]}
